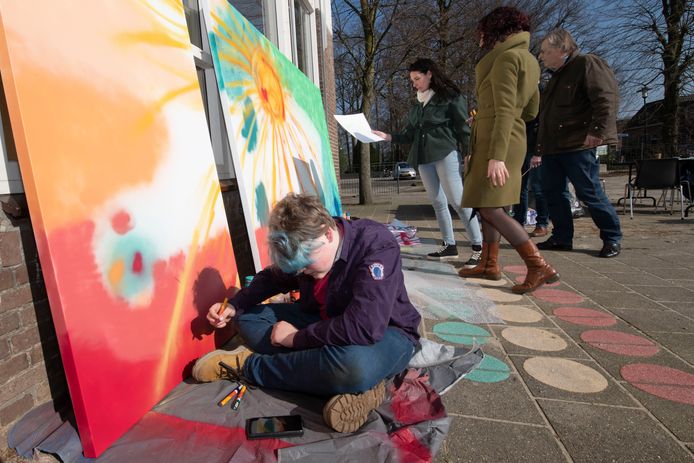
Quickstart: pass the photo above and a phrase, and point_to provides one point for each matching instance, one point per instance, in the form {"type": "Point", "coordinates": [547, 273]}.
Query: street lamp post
{"type": "Point", "coordinates": [644, 94]}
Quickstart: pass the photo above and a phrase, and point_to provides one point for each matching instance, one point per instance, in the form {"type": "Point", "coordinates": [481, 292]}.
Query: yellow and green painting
{"type": "Point", "coordinates": [275, 120]}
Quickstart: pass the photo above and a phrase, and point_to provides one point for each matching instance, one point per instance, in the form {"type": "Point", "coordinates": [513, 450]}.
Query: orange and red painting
{"type": "Point", "coordinates": [125, 203]}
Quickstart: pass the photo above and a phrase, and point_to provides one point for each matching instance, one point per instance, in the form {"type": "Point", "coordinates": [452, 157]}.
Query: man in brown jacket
{"type": "Point", "coordinates": [578, 112]}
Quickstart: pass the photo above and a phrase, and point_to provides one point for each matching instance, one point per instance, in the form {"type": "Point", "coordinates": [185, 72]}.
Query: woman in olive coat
{"type": "Point", "coordinates": [507, 95]}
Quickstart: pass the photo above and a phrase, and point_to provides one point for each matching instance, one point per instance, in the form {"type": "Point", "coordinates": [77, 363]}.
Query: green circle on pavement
{"type": "Point", "coordinates": [461, 333]}
{"type": "Point", "coordinates": [490, 370]}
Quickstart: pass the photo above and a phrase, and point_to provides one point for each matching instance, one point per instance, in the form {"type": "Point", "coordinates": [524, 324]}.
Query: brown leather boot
{"type": "Point", "coordinates": [539, 271]}
{"type": "Point", "coordinates": [538, 231]}
{"type": "Point", "coordinates": [488, 268]}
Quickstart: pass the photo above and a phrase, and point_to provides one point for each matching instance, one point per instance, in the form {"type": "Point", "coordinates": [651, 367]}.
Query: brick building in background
{"type": "Point", "coordinates": [641, 136]}
{"type": "Point", "coordinates": [31, 372]}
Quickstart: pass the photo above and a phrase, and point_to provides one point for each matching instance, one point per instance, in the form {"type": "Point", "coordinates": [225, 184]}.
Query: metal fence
{"type": "Point", "coordinates": [382, 184]}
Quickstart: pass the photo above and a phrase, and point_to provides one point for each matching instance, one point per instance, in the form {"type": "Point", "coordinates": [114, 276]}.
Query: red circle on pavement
{"type": "Point", "coordinates": [521, 278]}
{"type": "Point", "coordinates": [583, 316]}
{"type": "Point", "coordinates": [558, 296]}
{"type": "Point", "coordinates": [664, 382]}
{"type": "Point", "coordinates": [620, 343]}
{"type": "Point", "coordinates": [520, 269]}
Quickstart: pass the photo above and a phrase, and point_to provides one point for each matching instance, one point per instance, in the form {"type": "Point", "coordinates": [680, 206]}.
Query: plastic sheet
{"type": "Point", "coordinates": [189, 426]}
{"type": "Point", "coordinates": [439, 293]}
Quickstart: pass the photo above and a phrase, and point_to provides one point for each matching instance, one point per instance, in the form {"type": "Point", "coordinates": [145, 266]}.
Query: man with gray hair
{"type": "Point", "coordinates": [578, 112]}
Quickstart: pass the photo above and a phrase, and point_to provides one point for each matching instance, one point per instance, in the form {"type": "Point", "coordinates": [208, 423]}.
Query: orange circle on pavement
{"type": "Point", "coordinates": [583, 316]}
{"type": "Point", "coordinates": [664, 382]}
{"type": "Point", "coordinates": [557, 296]}
{"type": "Point", "coordinates": [520, 269]}
{"type": "Point", "coordinates": [620, 343]}
{"type": "Point", "coordinates": [521, 278]}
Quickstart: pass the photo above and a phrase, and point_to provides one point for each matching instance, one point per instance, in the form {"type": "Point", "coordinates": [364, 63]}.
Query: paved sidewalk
{"type": "Point", "coordinates": [598, 367]}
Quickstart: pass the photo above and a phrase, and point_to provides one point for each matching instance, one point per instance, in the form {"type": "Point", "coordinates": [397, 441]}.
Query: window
{"type": "Point", "coordinates": [301, 36]}
{"type": "Point", "coordinates": [208, 87]}
{"type": "Point", "coordinates": [10, 179]}
{"type": "Point", "coordinates": [261, 14]}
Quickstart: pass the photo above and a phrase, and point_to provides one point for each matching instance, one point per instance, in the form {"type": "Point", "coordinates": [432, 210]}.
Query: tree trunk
{"type": "Point", "coordinates": [673, 11]}
{"type": "Point", "coordinates": [368, 20]}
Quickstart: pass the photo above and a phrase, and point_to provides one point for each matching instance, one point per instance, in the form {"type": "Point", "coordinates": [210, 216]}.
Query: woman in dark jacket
{"type": "Point", "coordinates": [436, 130]}
{"type": "Point", "coordinates": [507, 94]}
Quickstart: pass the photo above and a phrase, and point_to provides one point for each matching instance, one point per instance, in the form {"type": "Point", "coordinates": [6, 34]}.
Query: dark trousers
{"type": "Point", "coordinates": [532, 177]}
{"type": "Point", "coordinates": [581, 168]}
{"type": "Point", "coordinates": [326, 370]}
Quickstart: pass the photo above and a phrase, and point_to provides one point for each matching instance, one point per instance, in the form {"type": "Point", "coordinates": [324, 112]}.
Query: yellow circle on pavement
{"type": "Point", "coordinates": [497, 295]}
{"type": "Point", "coordinates": [534, 338]}
{"type": "Point", "coordinates": [484, 282]}
{"type": "Point", "coordinates": [518, 314]}
{"type": "Point", "coordinates": [565, 374]}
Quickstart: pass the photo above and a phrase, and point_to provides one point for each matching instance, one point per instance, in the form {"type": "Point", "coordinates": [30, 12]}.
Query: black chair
{"type": "Point", "coordinates": [656, 174]}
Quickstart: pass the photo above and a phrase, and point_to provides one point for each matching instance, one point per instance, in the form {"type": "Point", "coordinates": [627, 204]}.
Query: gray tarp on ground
{"type": "Point", "coordinates": [188, 426]}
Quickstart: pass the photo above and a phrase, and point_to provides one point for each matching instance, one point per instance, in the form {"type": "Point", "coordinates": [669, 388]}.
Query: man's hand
{"type": "Point", "coordinates": [497, 172]}
{"type": "Point", "coordinates": [283, 334]}
{"type": "Point", "coordinates": [535, 161]}
{"type": "Point", "coordinates": [592, 141]}
{"type": "Point", "coordinates": [220, 320]}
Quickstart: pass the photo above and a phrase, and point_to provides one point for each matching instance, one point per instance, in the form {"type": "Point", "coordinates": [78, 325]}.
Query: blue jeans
{"type": "Point", "coordinates": [581, 168]}
{"type": "Point", "coordinates": [444, 186]}
{"type": "Point", "coordinates": [326, 370]}
{"type": "Point", "coordinates": [534, 178]}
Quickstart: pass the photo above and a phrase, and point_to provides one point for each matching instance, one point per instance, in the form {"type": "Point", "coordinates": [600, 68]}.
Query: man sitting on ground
{"type": "Point", "coordinates": [353, 327]}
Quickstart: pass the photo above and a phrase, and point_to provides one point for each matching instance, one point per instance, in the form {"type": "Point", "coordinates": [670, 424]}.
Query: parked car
{"type": "Point", "coordinates": [404, 170]}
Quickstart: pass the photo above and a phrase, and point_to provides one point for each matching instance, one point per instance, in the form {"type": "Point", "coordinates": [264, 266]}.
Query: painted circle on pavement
{"type": "Point", "coordinates": [518, 314]}
{"type": "Point", "coordinates": [620, 343]}
{"type": "Point", "coordinates": [565, 374]}
{"type": "Point", "coordinates": [521, 278]}
{"type": "Point", "coordinates": [497, 295]}
{"type": "Point", "coordinates": [557, 296]}
{"type": "Point", "coordinates": [534, 338]}
{"type": "Point", "coordinates": [461, 333]}
{"type": "Point", "coordinates": [664, 382]}
{"type": "Point", "coordinates": [490, 370]}
{"type": "Point", "coordinates": [583, 316]}
{"type": "Point", "coordinates": [484, 282]}
{"type": "Point", "coordinates": [521, 269]}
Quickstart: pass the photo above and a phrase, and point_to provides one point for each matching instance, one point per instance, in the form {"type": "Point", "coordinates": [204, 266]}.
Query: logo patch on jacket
{"type": "Point", "coordinates": [376, 270]}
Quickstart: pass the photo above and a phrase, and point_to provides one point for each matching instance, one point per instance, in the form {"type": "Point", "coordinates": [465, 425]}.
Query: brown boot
{"type": "Point", "coordinates": [539, 271]}
{"type": "Point", "coordinates": [488, 268]}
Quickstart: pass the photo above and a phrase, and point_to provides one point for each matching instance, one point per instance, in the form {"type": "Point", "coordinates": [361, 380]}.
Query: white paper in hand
{"type": "Point", "coordinates": [358, 126]}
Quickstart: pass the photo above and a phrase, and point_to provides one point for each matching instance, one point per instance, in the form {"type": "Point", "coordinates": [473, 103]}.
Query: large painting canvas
{"type": "Point", "coordinates": [275, 120]}
{"type": "Point", "coordinates": [123, 194]}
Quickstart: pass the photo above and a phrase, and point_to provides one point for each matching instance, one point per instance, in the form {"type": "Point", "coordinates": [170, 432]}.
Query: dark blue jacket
{"type": "Point", "coordinates": [365, 294]}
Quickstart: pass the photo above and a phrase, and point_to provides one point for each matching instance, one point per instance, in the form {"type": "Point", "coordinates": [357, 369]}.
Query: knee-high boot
{"type": "Point", "coordinates": [539, 271]}
{"type": "Point", "coordinates": [488, 268]}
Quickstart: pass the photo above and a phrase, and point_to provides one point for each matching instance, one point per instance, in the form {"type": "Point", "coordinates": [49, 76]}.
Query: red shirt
{"type": "Point", "coordinates": [320, 292]}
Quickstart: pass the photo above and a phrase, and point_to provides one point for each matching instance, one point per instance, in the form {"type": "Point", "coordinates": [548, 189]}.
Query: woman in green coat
{"type": "Point", "coordinates": [437, 131]}
{"type": "Point", "coordinates": [507, 95]}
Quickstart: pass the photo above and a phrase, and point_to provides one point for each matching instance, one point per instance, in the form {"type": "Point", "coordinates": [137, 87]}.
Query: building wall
{"type": "Point", "coordinates": [31, 372]}
{"type": "Point", "coordinates": [326, 65]}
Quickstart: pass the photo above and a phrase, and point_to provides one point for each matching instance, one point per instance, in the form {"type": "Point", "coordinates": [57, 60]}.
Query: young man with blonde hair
{"type": "Point", "coordinates": [353, 326]}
